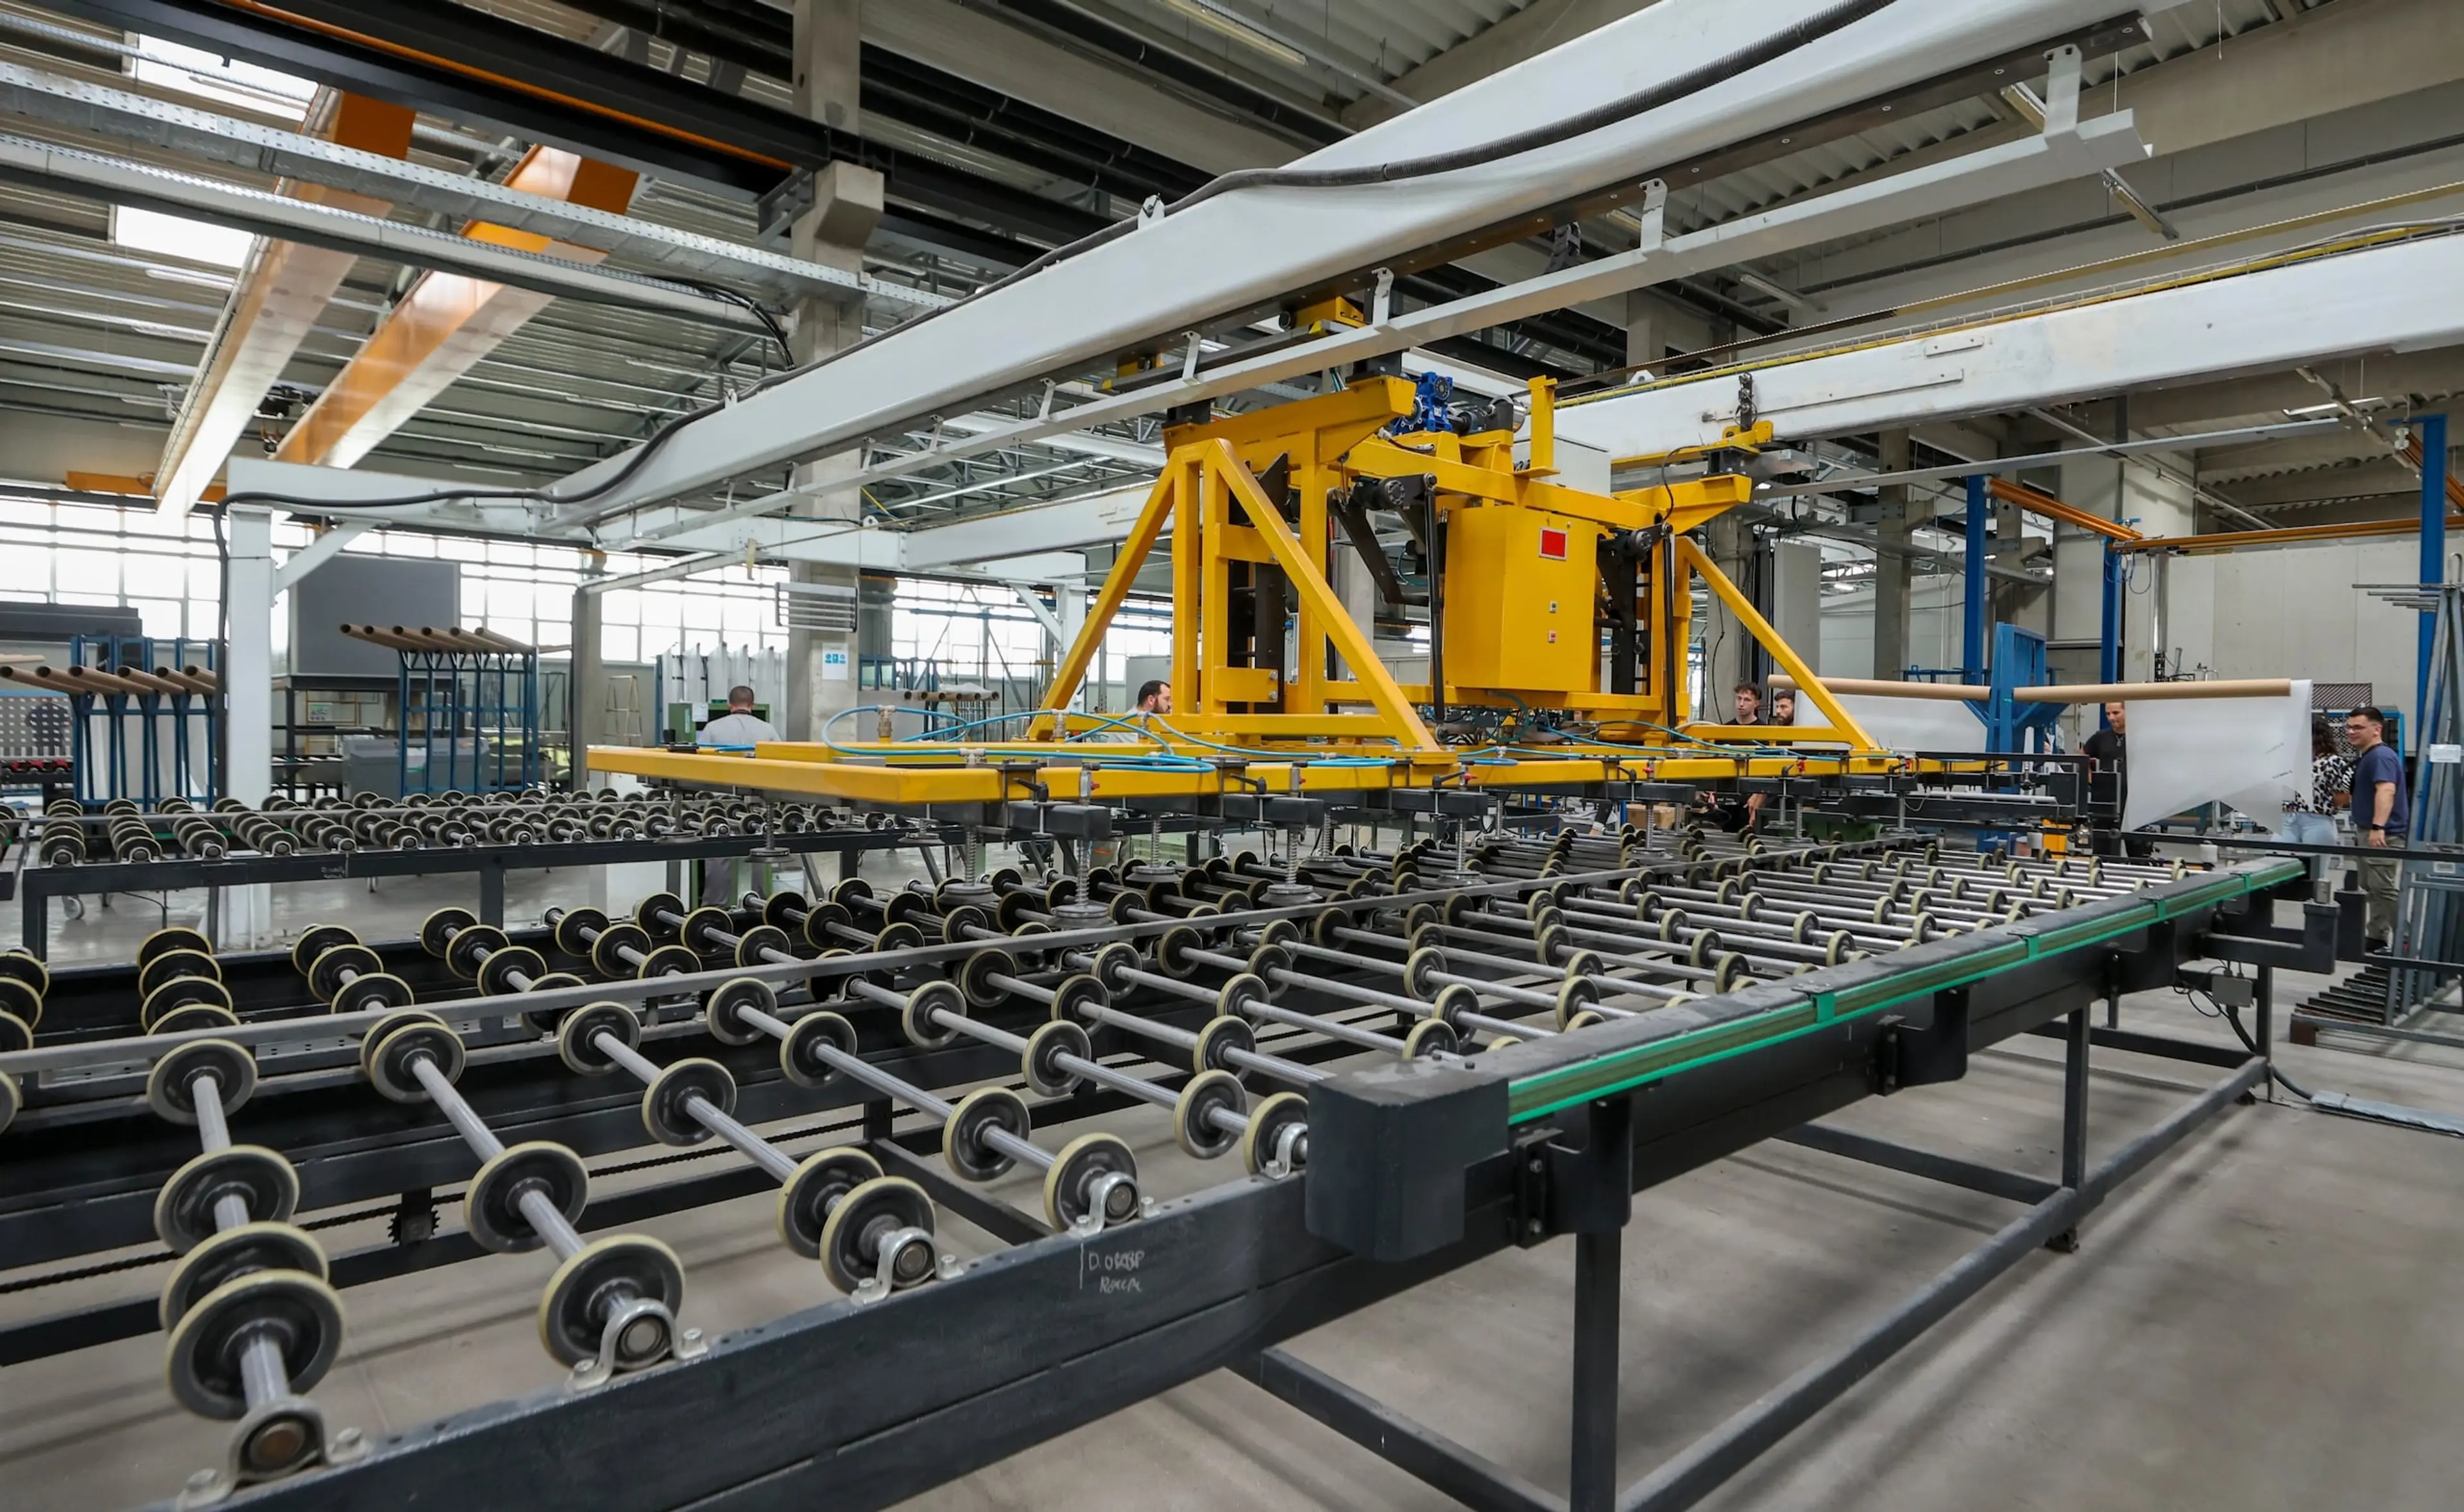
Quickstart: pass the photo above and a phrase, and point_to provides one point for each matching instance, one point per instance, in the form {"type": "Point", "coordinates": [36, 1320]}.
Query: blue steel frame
{"type": "Point", "coordinates": [1979, 595]}
{"type": "Point", "coordinates": [491, 696]}
{"type": "Point", "coordinates": [2432, 431]}
{"type": "Point", "coordinates": [153, 721]}
{"type": "Point", "coordinates": [2012, 728]}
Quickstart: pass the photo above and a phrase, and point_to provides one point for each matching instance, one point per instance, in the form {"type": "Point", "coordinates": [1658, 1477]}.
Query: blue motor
{"type": "Point", "coordinates": [1432, 405]}
{"type": "Point", "coordinates": [1435, 407]}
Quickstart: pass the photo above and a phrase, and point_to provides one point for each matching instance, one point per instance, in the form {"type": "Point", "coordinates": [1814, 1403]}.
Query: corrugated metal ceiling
{"type": "Point", "coordinates": [95, 331]}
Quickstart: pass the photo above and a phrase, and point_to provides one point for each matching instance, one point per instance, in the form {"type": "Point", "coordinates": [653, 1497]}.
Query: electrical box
{"type": "Point", "coordinates": [1520, 588]}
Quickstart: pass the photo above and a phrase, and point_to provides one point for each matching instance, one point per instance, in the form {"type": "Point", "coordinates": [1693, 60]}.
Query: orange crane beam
{"type": "Point", "coordinates": [446, 323]}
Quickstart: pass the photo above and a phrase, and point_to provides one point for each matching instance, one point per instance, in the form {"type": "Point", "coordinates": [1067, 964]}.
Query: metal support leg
{"type": "Point", "coordinates": [2073, 1117]}
{"type": "Point", "coordinates": [1594, 1199]}
{"type": "Point", "coordinates": [2262, 1024]}
{"type": "Point", "coordinates": [1599, 1272]}
{"type": "Point", "coordinates": [492, 895]}
{"type": "Point", "coordinates": [37, 924]}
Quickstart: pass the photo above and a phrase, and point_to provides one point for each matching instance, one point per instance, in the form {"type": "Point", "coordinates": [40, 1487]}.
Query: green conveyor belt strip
{"type": "Point", "coordinates": [1544, 1092]}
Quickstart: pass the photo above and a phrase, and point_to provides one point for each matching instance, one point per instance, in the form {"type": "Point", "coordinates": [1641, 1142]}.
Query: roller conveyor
{"type": "Point", "coordinates": [1531, 1001]}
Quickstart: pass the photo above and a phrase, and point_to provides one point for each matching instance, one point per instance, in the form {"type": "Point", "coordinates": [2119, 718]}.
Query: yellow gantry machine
{"type": "Point", "coordinates": [1564, 610]}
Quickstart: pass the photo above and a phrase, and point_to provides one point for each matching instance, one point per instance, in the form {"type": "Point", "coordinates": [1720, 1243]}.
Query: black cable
{"type": "Point", "coordinates": [2233, 1015]}
{"type": "Point", "coordinates": [760, 312]}
{"type": "Point", "coordinates": [1719, 71]}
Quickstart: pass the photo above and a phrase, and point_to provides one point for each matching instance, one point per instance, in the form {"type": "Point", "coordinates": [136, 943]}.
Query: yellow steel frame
{"type": "Point", "coordinates": [1221, 520]}
{"type": "Point", "coordinates": [1080, 775]}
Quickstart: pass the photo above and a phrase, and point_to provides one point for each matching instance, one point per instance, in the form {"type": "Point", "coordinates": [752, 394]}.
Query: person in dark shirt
{"type": "Point", "coordinates": [1727, 810]}
{"type": "Point", "coordinates": [2381, 816]}
{"type": "Point", "coordinates": [2109, 748]}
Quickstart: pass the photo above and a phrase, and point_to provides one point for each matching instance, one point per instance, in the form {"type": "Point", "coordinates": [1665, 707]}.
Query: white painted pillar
{"type": "Point", "coordinates": [587, 685]}
{"type": "Point", "coordinates": [245, 915]}
{"type": "Point", "coordinates": [1070, 607]}
{"type": "Point", "coordinates": [247, 665]}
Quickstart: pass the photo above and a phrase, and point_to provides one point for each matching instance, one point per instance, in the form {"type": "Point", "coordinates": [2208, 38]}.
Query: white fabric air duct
{"type": "Point", "coordinates": [2251, 754]}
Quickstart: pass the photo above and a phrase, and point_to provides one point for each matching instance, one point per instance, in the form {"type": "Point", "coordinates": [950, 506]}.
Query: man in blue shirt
{"type": "Point", "coordinates": [2381, 816]}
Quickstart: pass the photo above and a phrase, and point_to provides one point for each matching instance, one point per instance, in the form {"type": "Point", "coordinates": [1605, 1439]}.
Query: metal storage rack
{"type": "Point", "coordinates": [468, 702]}
{"type": "Point", "coordinates": [144, 717]}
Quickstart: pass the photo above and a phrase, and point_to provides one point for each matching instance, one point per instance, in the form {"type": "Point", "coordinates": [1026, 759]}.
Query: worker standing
{"type": "Point", "coordinates": [737, 729]}
{"type": "Point", "coordinates": [1729, 811]}
{"type": "Point", "coordinates": [1154, 702]}
{"type": "Point", "coordinates": [2311, 818]}
{"type": "Point", "coordinates": [2381, 816]}
{"type": "Point", "coordinates": [2109, 748]}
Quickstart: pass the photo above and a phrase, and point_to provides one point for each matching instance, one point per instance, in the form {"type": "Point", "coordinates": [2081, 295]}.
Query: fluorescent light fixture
{"type": "Point", "coordinates": [153, 232]}
{"type": "Point", "coordinates": [1228, 22]}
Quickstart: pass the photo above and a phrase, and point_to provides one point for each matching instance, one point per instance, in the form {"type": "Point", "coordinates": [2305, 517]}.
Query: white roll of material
{"type": "Point", "coordinates": [2251, 754]}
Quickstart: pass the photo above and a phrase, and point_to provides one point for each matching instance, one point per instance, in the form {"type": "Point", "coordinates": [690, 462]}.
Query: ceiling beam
{"type": "Point", "coordinates": [944, 362]}
{"type": "Point", "coordinates": [483, 69]}
{"type": "Point", "coordinates": [273, 306]}
{"type": "Point", "coordinates": [2401, 294]}
{"type": "Point", "coordinates": [117, 181]}
{"type": "Point", "coordinates": [446, 323]}
{"type": "Point", "coordinates": [382, 178]}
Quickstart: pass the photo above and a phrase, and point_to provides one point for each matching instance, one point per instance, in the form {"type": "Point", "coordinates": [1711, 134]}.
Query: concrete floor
{"type": "Point", "coordinates": [2263, 1320]}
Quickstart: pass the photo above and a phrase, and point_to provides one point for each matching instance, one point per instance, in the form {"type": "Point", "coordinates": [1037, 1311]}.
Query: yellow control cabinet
{"type": "Point", "coordinates": [1519, 601]}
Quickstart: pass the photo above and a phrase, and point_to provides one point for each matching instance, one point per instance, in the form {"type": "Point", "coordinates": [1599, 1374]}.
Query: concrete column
{"type": "Point", "coordinates": [1643, 342]}
{"type": "Point", "coordinates": [586, 725]}
{"type": "Point", "coordinates": [1892, 575]}
{"type": "Point", "coordinates": [1348, 577]}
{"type": "Point", "coordinates": [1727, 649]}
{"type": "Point", "coordinates": [1797, 599]}
{"type": "Point", "coordinates": [847, 205]}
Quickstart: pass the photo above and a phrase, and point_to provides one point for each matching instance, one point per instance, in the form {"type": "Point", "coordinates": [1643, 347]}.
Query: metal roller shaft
{"type": "Point", "coordinates": [699, 1109]}
{"type": "Point", "coordinates": [263, 1377]}
{"type": "Point", "coordinates": [856, 1069]}
{"type": "Point", "coordinates": [536, 1207]}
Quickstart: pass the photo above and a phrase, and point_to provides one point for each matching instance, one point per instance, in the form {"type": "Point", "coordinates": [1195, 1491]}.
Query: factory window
{"type": "Point", "coordinates": [105, 555]}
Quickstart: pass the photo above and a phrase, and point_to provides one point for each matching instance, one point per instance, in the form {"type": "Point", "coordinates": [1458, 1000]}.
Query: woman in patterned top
{"type": "Point", "coordinates": [2312, 822]}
